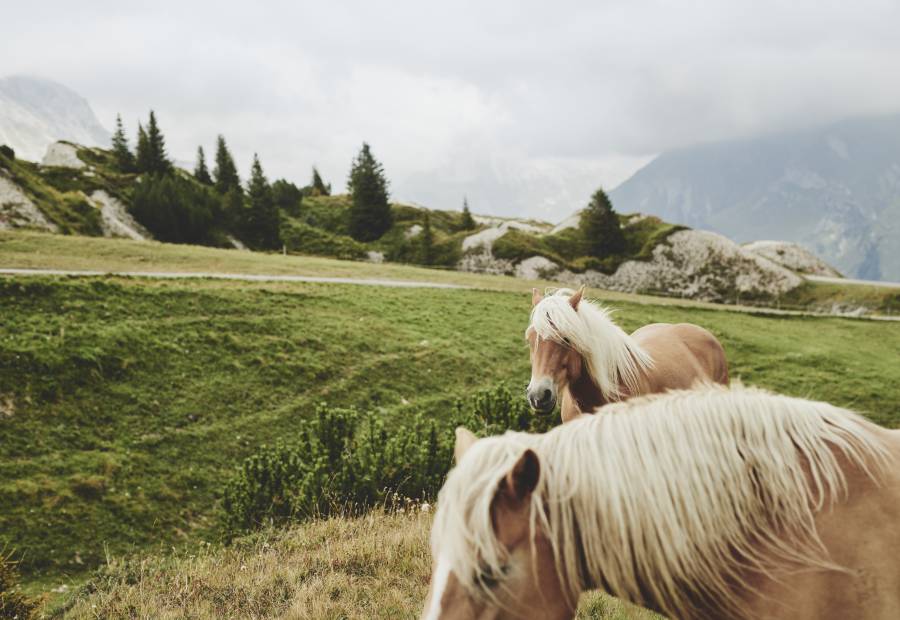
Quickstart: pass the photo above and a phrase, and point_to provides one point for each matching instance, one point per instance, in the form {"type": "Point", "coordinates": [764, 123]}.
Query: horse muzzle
{"type": "Point", "coordinates": [541, 395]}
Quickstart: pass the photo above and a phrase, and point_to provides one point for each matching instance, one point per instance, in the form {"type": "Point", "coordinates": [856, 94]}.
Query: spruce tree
{"type": "Point", "coordinates": [370, 212]}
{"type": "Point", "coordinates": [600, 227]}
{"type": "Point", "coordinates": [261, 222]}
{"type": "Point", "coordinates": [143, 157]}
{"type": "Point", "coordinates": [158, 160]}
{"type": "Point", "coordinates": [427, 240]}
{"type": "Point", "coordinates": [317, 185]}
{"type": "Point", "coordinates": [225, 172]}
{"type": "Point", "coordinates": [201, 172]}
{"type": "Point", "coordinates": [124, 156]}
{"type": "Point", "coordinates": [468, 222]}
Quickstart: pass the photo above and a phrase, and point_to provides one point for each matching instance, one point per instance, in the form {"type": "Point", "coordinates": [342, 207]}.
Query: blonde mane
{"type": "Point", "coordinates": [613, 357]}
{"type": "Point", "coordinates": [667, 500]}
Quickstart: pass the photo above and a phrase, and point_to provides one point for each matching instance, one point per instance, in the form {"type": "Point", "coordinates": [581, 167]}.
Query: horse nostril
{"type": "Point", "coordinates": [546, 396]}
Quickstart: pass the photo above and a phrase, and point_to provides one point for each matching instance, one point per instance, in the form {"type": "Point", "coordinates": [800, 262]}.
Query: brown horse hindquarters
{"type": "Point", "coordinates": [682, 354]}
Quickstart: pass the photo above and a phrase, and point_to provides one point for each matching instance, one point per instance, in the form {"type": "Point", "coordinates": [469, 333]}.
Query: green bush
{"type": "Point", "coordinates": [346, 461]}
{"type": "Point", "coordinates": [300, 237]}
{"type": "Point", "coordinates": [13, 602]}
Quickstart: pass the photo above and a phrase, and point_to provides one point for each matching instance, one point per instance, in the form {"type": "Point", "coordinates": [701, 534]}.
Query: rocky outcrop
{"type": "Point", "coordinates": [700, 265]}
{"type": "Point", "coordinates": [18, 211]}
{"type": "Point", "coordinates": [690, 263]}
{"type": "Point", "coordinates": [115, 219]}
{"type": "Point", "coordinates": [792, 256]}
{"type": "Point", "coordinates": [62, 154]}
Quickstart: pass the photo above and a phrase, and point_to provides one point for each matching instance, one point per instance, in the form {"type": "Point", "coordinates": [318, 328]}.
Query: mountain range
{"type": "Point", "coordinates": [834, 189]}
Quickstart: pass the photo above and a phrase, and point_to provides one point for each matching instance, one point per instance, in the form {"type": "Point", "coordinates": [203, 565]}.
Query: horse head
{"type": "Point", "coordinates": [554, 362]}
{"type": "Point", "coordinates": [502, 566]}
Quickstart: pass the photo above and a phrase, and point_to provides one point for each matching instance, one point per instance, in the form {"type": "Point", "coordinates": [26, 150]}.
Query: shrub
{"type": "Point", "coordinates": [301, 237]}
{"type": "Point", "coordinates": [7, 152]}
{"type": "Point", "coordinates": [347, 461]}
{"type": "Point", "coordinates": [13, 602]}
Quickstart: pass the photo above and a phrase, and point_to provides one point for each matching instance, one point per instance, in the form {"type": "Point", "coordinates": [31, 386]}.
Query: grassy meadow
{"type": "Point", "coordinates": [126, 403]}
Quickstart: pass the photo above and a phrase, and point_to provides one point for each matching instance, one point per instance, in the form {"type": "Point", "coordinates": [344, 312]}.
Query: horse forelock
{"type": "Point", "coordinates": [612, 357]}
{"type": "Point", "coordinates": [666, 500]}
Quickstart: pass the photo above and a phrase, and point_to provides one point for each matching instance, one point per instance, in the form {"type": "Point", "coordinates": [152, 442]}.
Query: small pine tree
{"type": "Point", "coordinates": [426, 238]}
{"type": "Point", "coordinates": [370, 212]}
{"type": "Point", "coordinates": [201, 172]}
{"type": "Point", "coordinates": [468, 222]}
{"type": "Point", "coordinates": [158, 160]}
{"type": "Point", "coordinates": [143, 157]}
{"type": "Point", "coordinates": [225, 172]}
{"type": "Point", "coordinates": [261, 221]}
{"type": "Point", "coordinates": [317, 185]}
{"type": "Point", "coordinates": [600, 227]}
{"type": "Point", "coordinates": [124, 156]}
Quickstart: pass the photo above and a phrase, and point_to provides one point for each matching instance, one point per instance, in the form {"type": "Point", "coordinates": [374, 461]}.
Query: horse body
{"type": "Point", "coordinates": [580, 355]}
{"type": "Point", "coordinates": [861, 535]}
{"type": "Point", "coordinates": [709, 503]}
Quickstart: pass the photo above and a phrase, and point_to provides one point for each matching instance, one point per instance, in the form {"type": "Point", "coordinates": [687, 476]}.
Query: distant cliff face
{"type": "Point", "coordinates": [35, 113]}
{"type": "Point", "coordinates": [835, 190]}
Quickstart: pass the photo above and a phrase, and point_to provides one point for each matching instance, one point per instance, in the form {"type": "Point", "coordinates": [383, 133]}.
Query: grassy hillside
{"type": "Point", "coordinates": [319, 225]}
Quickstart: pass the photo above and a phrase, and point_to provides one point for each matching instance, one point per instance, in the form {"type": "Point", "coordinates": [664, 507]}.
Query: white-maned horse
{"type": "Point", "coordinates": [709, 503]}
{"type": "Point", "coordinates": [578, 352]}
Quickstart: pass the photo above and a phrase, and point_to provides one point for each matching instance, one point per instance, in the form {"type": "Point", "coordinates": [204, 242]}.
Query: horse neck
{"type": "Point", "coordinates": [584, 390]}
{"type": "Point", "coordinates": [617, 363]}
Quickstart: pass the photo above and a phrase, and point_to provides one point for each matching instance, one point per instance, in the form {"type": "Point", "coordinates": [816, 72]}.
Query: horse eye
{"type": "Point", "coordinates": [486, 577]}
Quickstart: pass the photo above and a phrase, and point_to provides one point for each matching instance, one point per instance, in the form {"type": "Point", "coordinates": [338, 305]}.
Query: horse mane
{"type": "Point", "coordinates": [613, 357]}
{"type": "Point", "coordinates": [667, 500]}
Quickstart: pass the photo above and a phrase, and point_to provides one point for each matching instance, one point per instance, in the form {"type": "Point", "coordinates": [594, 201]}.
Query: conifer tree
{"type": "Point", "coordinates": [225, 172]}
{"type": "Point", "coordinates": [468, 222]}
{"type": "Point", "coordinates": [124, 156]}
{"type": "Point", "coordinates": [158, 160]}
{"type": "Point", "coordinates": [261, 222]}
{"type": "Point", "coordinates": [143, 157]}
{"type": "Point", "coordinates": [201, 172]}
{"type": "Point", "coordinates": [370, 212]}
{"type": "Point", "coordinates": [600, 227]}
{"type": "Point", "coordinates": [317, 185]}
{"type": "Point", "coordinates": [427, 240]}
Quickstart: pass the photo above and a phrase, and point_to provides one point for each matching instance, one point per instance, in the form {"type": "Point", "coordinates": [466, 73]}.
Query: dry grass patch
{"type": "Point", "coordinates": [375, 566]}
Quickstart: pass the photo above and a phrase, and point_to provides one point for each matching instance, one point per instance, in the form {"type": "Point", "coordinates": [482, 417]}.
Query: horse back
{"type": "Point", "coordinates": [683, 353]}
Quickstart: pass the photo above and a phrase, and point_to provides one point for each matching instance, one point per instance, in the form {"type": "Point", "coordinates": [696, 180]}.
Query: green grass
{"type": "Point", "coordinates": [127, 403]}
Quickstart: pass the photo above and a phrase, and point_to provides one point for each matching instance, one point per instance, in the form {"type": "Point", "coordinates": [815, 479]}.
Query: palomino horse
{"type": "Point", "coordinates": [577, 350]}
{"type": "Point", "coordinates": [708, 503]}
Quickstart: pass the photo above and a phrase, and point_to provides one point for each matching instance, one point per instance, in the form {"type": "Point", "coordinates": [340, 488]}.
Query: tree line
{"type": "Point", "coordinates": [193, 208]}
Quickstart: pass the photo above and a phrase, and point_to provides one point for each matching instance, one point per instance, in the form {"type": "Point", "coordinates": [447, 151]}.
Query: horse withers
{"type": "Point", "coordinates": [578, 352]}
{"type": "Point", "coordinates": [709, 503]}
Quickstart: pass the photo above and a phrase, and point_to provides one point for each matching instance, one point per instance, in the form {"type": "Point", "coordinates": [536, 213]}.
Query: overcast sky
{"type": "Point", "coordinates": [524, 106]}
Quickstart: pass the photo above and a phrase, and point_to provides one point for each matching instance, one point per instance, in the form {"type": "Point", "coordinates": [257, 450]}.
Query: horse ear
{"type": "Point", "coordinates": [575, 299]}
{"type": "Point", "coordinates": [536, 297]}
{"type": "Point", "coordinates": [464, 440]}
{"type": "Point", "coordinates": [522, 479]}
